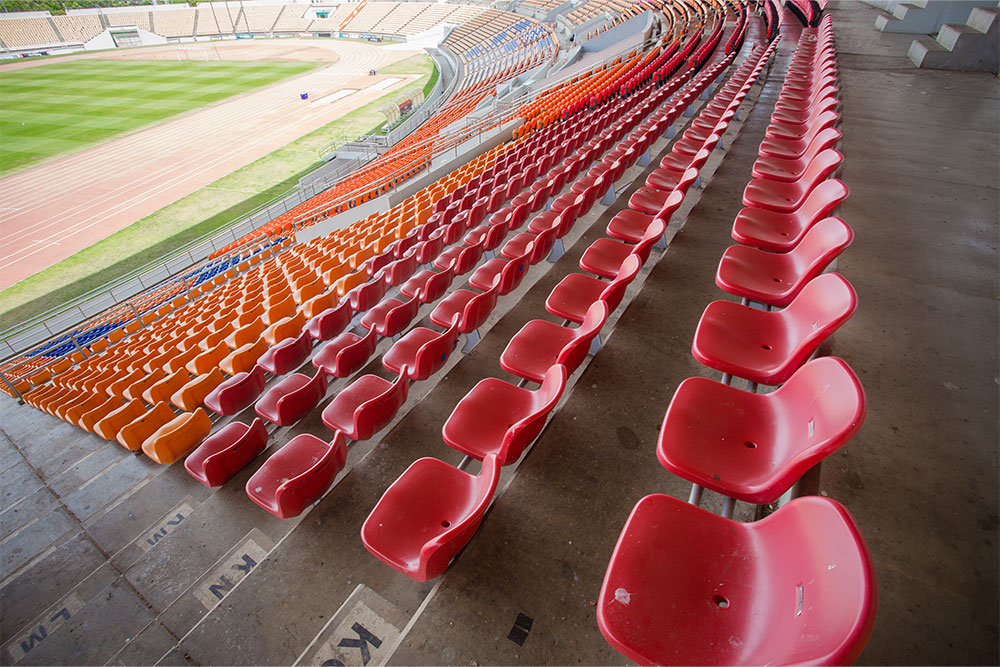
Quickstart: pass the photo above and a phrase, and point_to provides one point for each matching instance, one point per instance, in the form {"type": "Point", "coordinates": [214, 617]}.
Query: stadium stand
{"type": "Point", "coordinates": [79, 27]}
{"type": "Point", "coordinates": [331, 23]}
{"type": "Point", "coordinates": [292, 19]}
{"type": "Point", "coordinates": [176, 22]}
{"type": "Point", "coordinates": [138, 19]}
{"type": "Point", "coordinates": [258, 18]}
{"type": "Point", "coordinates": [27, 32]}
{"type": "Point", "coordinates": [214, 20]}
{"type": "Point", "coordinates": [346, 330]}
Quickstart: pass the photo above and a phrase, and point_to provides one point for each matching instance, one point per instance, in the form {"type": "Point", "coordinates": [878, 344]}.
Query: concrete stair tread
{"type": "Point", "coordinates": [982, 18]}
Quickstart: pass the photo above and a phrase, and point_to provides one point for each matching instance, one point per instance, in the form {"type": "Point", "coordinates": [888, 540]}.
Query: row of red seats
{"type": "Point", "coordinates": [370, 402]}
{"type": "Point", "coordinates": [418, 532]}
{"type": "Point", "coordinates": [685, 586]}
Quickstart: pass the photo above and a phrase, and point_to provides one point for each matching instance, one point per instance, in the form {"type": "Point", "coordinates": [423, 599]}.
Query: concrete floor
{"type": "Point", "coordinates": [124, 562]}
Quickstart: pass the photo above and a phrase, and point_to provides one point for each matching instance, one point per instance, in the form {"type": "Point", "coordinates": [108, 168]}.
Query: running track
{"type": "Point", "coordinates": [52, 211]}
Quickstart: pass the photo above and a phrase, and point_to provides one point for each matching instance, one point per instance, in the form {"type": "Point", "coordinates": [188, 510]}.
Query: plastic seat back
{"type": "Point", "coordinates": [575, 351]}
{"type": "Point", "coordinates": [286, 307]}
{"type": "Point", "coordinates": [178, 437]}
{"type": "Point", "coordinates": [109, 426]}
{"type": "Point", "coordinates": [427, 251]}
{"type": "Point", "coordinates": [432, 355]}
{"type": "Point", "coordinates": [514, 271]}
{"type": "Point", "coordinates": [825, 303]}
{"type": "Point", "coordinates": [132, 435]}
{"type": "Point", "coordinates": [237, 393]}
{"type": "Point", "coordinates": [193, 394]}
{"type": "Point", "coordinates": [615, 291]}
{"type": "Point", "coordinates": [374, 414]}
{"type": "Point", "coordinates": [287, 355]}
{"type": "Point", "coordinates": [396, 273]}
{"type": "Point", "coordinates": [108, 405]}
{"type": "Point", "coordinates": [293, 397]}
{"type": "Point", "coordinates": [330, 322]}
{"type": "Point", "coordinates": [478, 309]}
{"type": "Point", "coordinates": [467, 258]}
{"type": "Point", "coordinates": [518, 216]}
{"type": "Point", "coordinates": [495, 236]}
{"type": "Point", "coordinates": [436, 285]}
{"type": "Point", "coordinates": [226, 452]}
{"type": "Point", "coordinates": [398, 318]}
{"type": "Point", "coordinates": [378, 262]}
{"type": "Point", "coordinates": [351, 358]}
{"type": "Point", "coordinates": [317, 304]}
{"type": "Point", "coordinates": [367, 295]}
{"type": "Point", "coordinates": [654, 232]}
{"type": "Point", "coordinates": [523, 432]}
{"type": "Point", "coordinates": [244, 358]}
{"type": "Point", "coordinates": [286, 327]}
{"type": "Point", "coordinates": [542, 244]}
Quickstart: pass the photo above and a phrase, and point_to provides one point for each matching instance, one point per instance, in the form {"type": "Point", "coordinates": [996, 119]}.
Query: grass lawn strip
{"type": "Point", "coordinates": [64, 107]}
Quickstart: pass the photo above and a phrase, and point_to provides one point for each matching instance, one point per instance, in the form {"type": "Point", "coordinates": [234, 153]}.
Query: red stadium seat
{"type": "Point", "coordinates": [237, 393]}
{"type": "Point", "coordinates": [688, 587]}
{"type": "Point", "coordinates": [330, 322]}
{"type": "Point", "coordinates": [367, 295]}
{"type": "Point", "coordinates": [753, 447]}
{"type": "Point", "coordinates": [604, 257]}
{"type": "Point", "coordinates": [767, 347]}
{"type": "Point", "coordinates": [346, 354]}
{"type": "Point", "coordinates": [571, 298]}
{"type": "Point", "coordinates": [540, 344]}
{"type": "Point", "coordinates": [226, 452]}
{"type": "Point", "coordinates": [472, 308]}
{"type": "Point", "coordinates": [286, 402]}
{"type": "Point", "coordinates": [780, 232]}
{"type": "Point", "coordinates": [788, 196]}
{"type": "Point", "coordinates": [366, 406]}
{"type": "Point", "coordinates": [496, 417]}
{"type": "Point", "coordinates": [427, 285]}
{"type": "Point", "coordinates": [422, 351]}
{"type": "Point", "coordinates": [287, 355]}
{"type": "Point", "coordinates": [390, 317]}
{"type": "Point", "coordinates": [297, 475]}
{"type": "Point", "coordinates": [791, 169]}
{"type": "Point", "coordinates": [510, 273]}
{"type": "Point", "coordinates": [776, 278]}
{"type": "Point", "coordinates": [428, 515]}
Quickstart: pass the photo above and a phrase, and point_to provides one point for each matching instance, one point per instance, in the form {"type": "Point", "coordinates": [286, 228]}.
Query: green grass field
{"type": "Point", "coordinates": [199, 213]}
{"type": "Point", "coordinates": [64, 107]}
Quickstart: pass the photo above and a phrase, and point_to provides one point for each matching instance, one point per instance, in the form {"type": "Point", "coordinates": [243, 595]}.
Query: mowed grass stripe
{"type": "Point", "coordinates": [60, 108]}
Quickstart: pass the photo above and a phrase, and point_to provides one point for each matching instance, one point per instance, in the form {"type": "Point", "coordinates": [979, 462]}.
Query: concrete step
{"type": "Point", "coordinates": [950, 34]}
{"type": "Point", "coordinates": [884, 5]}
{"type": "Point", "coordinates": [970, 46]}
{"type": "Point", "coordinates": [983, 19]}
{"type": "Point", "coordinates": [927, 16]}
{"type": "Point", "coordinates": [925, 51]}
